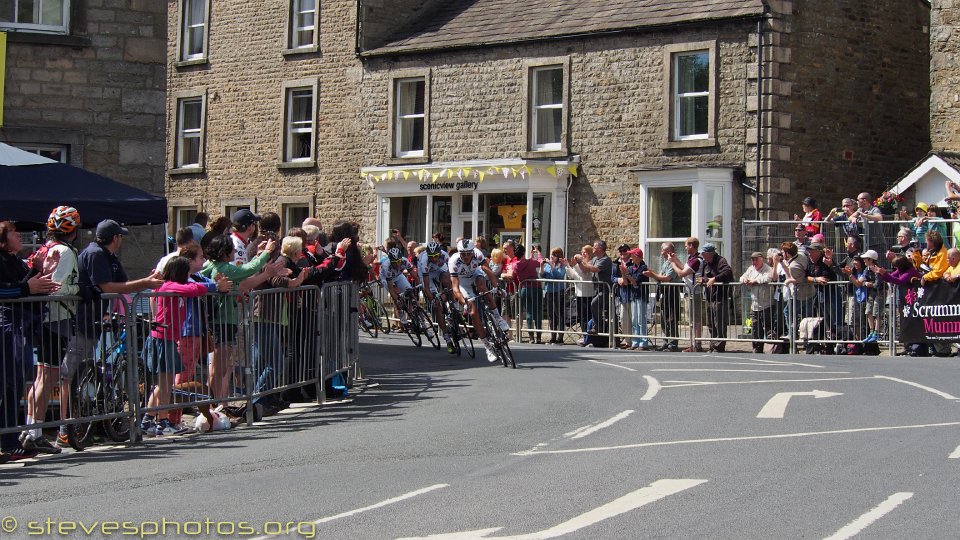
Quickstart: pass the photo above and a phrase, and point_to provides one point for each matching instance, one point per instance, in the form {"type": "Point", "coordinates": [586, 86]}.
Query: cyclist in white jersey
{"type": "Point", "coordinates": [433, 269]}
{"type": "Point", "coordinates": [393, 279]}
{"type": "Point", "coordinates": [465, 267]}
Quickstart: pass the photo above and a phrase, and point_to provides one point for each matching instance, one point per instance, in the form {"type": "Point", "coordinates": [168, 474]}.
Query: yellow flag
{"type": "Point", "coordinates": [406, 174]}
{"type": "Point", "coordinates": [481, 174]}
{"type": "Point", "coordinates": [572, 169]}
{"type": "Point", "coordinates": [389, 175]}
{"type": "Point", "coordinates": [435, 176]}
{"type": "Point", "coordinates": [449, 173]}
{"type": "Point", "coordinates": [552, 170]}
{"type": "Point", "coordinates": [467, 171]}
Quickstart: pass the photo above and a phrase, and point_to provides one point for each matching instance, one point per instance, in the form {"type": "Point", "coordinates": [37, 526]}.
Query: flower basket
{"type": "Point", "coordinates": [887, 202]}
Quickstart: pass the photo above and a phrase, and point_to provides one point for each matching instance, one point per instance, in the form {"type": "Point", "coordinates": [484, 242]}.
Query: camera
{"type": "Point", "coordinates": [914, 244]}
{"type": "Point", "coordinates": [897, 249]}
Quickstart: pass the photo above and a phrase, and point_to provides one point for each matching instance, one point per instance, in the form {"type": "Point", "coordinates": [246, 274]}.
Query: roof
{"type": "Point", "coordinates": [468, 23]}
{"type": "Point", "coordinates": [945, 163]}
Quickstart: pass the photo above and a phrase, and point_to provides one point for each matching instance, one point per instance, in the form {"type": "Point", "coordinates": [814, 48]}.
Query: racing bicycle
{"type": "Point", "coordinates": [496, 337]}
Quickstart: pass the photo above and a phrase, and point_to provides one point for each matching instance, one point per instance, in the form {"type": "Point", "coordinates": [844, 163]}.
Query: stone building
{"type": "Point", "coordinates": [85, 85]}
{"type": "Point", "coordinates": [547, 121]}
{"type": "Point", "coordinates": [924, 182]}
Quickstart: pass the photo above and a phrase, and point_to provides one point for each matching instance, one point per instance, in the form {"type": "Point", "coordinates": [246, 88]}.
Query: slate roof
{"type": "Point", "coordinates": [467, 23]}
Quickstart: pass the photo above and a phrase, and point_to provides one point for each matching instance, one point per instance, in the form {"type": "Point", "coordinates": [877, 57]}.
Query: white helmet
{"type": "Point", "coordinates": [466, 246]}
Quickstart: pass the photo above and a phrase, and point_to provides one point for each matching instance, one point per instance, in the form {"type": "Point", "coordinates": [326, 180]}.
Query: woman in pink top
{"type": "Point", "coordinates": [525, 273]}
{"type": "Point", "coordinates": [160, 350]}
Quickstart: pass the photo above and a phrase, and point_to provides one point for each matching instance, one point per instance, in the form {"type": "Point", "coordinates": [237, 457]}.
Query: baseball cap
{"type": "Point", "coordinates": [636, 251]}
{"type": "Point", "coordinates": [816, 245]}
{"type": "Point", "coordinates": [756, 254]}
{"type": "Point", "coordinates": [244, 217]}
{"type": "Point", "coordinates": [709, 248]}
{"type": "Point", "coordinates": [109, 228]}
{"type": "Point", "coordinates": [623, 247]}
{"type": "Point", "coordinates": [870, 254]}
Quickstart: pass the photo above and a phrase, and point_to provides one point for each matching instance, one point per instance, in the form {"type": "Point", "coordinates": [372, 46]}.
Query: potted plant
{"type": "Point", "coordinates": [887, 202]}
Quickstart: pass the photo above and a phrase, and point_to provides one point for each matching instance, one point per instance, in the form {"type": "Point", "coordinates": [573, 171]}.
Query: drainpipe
{"type": "Point", "coordinates": [756, 189]}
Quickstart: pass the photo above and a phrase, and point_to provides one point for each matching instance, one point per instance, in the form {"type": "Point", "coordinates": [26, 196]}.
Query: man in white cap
{"type": "Point", "coordinates": [757, 279]}
{"type": "Point", "coordinates": [244, 231]}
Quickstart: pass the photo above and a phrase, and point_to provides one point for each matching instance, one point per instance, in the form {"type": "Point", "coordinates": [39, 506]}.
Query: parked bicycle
{"type": "Point", "coordinates": [103, 389]}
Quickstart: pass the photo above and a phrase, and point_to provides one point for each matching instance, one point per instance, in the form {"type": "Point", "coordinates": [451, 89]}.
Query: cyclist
{"type": "Point", "coordinates": [433, 267]}
{"type": "Point", "coordinates": [465, 267]}
{"type": "Point", "coordinates": [393, 278]}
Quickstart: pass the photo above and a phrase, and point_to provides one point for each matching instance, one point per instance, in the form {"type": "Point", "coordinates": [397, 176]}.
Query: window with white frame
{"type": "Point", "coordinates": [299, 132]}
{"type": "Point", "coordinates": [546, 114]}
{"type": "Point", "coordinates": [303, 24]}
{"type": "Point", "coordinates": [678, 204]}
{"type": "Point", "coordinates": [189, 132]}
{"type": "Point", "coordinates": [691, 95]}
{"type": "Point", "coordinates": [295, 214]}
{"type": "Point", "coordinates": [51, 16]}
{"type": "Point", "coordinates": [184, 216]}
{"type": "Point", "coordinates": [410, 117]}
{"type": "Point", "coordinates": [193, 30]}
{"type": "Point", "coordinates": [55, 152]}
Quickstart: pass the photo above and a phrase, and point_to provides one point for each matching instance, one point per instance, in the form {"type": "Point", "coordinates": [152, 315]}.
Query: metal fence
{"type": "Point", "coordinates": [100, 366]}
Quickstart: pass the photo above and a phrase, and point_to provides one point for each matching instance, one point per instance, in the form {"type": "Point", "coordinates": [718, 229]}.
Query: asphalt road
{"type": "Point", "coordinates": [575, 443]}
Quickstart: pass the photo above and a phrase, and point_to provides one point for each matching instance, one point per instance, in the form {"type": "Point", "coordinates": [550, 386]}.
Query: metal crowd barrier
{"type": "Point", "coordinates": [119, 361]}
{"type": "Point", "coordinates": [795, 317]}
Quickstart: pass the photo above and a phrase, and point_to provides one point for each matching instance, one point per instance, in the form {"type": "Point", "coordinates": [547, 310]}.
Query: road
{"type": "Point", "coordinates": [575, 443]}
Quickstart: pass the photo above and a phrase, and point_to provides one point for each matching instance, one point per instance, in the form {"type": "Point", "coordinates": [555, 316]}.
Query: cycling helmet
{"type": "Point", "coordinates": [466, 246]}
{"type": "Point", "coordinates": [394, 254]}
{"type": "Point", "coordinates": [434, 249]}
{"type": "Point", "coordinates": [63, 219]}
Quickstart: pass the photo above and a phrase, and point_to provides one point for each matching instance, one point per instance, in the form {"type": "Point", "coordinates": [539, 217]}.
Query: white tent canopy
{"type": "Point", "coordinates": [15, 157]}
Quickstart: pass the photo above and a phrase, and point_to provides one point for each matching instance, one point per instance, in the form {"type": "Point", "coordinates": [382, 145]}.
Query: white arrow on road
{"type": "Point", "coordinates": [778, 403]}
{"type": "Point", "coordinates": [631, 501]}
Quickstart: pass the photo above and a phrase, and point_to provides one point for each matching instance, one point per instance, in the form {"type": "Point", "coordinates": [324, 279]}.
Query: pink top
{"type": "Point", "coordinates": [172, 310]}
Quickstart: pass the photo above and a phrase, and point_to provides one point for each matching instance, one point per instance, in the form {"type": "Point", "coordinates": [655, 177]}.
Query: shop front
{"type": "Point", "coordinates": [522, 200]}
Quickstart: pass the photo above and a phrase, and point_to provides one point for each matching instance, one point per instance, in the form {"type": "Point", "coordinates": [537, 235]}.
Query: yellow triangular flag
{"type": "Point", "coordinates": [363, 176]}
{"type": "Point", "coordinates": [434, 178]}
{"type": "Point", "coordinates": [482, 174]}
{"type": "Point", "coordinates": [467, 171]}
{"type": "Point", "coordinates": [552, 170]}
{"type": "Point", "coordinates": [572, 169]}
{"type": "Point", "coordinates": [528, 169]}
{"type": "Point", "coordinates": [406, 174]}
{"type": "Point", "coordinates": [389, 175]}
{"type": "Point", "coordinates": [449, 173]}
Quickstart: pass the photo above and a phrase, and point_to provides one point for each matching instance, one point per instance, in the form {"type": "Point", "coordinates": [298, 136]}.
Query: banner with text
{"type": "Point", "coordinates": [930, 313]}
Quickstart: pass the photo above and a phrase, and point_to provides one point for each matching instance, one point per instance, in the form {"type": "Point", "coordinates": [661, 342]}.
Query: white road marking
{"type": "Point", "coordinates": [920, 386]}
{"type": "Point", "coordinates": [609, 364]}
{"type": "Point", "coordinates": [750, 371]}
{"type": "Point", "coordinates": [678, 384]}
{"type": "Point", "coordinates": [734, 439]}
{"type": "Point", "coordinates": [631, 501]}
{"type": "Point", "coordinates": [781, 363]}
{"type": "Point", "coordinates": [653, 386]}
{"type": "Point", "coordinates": [955, 454]}
{"type": "Point", "coordinates": [700, 362]}
{"type": "Point", "coordinates": [776, 407]}
{"type": "Point", "coordinates": [864, 521]}
{"type": "Point", "coordinates": [583, 433]}
{"type": "Point", "coordinates": [380, 504]}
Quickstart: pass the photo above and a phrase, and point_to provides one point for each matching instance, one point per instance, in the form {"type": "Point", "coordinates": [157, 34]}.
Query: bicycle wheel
{"type": "Point", "coordinates": [412, 329]}
{"type": "Point", "coordinates": [368, 322]}
{"type": "Point", "coordinates": [463, 340]}
{"type": "Point", "coordinates": [115, 400]}
{"type": "Point", "coordinates": [425, 326]}
{"type": "Point", "coordinates": [380, 314]}
{"type": "Point", "coordinates": [83, 403]}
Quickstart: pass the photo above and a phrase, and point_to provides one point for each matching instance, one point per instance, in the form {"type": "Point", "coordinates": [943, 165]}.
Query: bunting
{"type": "Point", "coordinates": [463, 173]}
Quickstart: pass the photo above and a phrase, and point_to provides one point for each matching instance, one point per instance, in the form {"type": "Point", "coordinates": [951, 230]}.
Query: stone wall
{"type": "Point", "coordinates": [99, 91]}
{"type": "Point", "coordinates": [243, 80]}
{"type": "Point", "coordinates": [945, 75]}
{"type": "Point", "coordinates": [616, 111]}
{"type": "Point", "coordinates": [849, 94]}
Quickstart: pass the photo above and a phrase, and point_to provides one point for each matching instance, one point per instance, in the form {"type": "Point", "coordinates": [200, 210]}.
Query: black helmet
{"type": "Point", "coordinates": [434, 249]}
{"type": "Point", "coordinates": [394, 254]}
